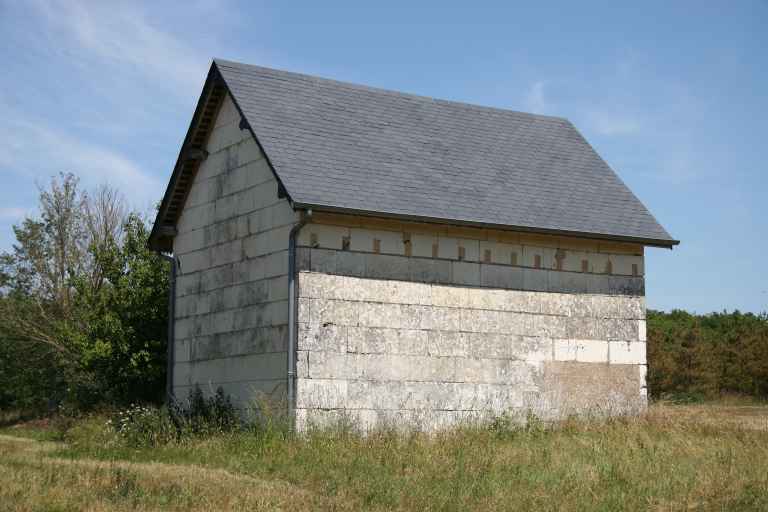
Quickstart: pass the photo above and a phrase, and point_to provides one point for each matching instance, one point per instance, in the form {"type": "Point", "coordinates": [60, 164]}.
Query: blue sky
{"type": "Point", "coordinates": [671, 94]}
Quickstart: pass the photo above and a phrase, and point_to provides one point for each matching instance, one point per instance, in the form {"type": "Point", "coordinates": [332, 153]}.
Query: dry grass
{"type": "Point", "coordinates": [33, 480]}
{"type": "Point", "coordinates": [701, 457]}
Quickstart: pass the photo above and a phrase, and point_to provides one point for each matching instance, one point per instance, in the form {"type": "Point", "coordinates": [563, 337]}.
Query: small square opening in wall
{"type": "Point", "coordinates": [407, 246]}
{"type": "Point", "coordinates": [376, 245]}
{"type": "Point", "coordinates": [345, 240]}
{"type": "Point", "coordinates": [487, 256]}
{"type": "Point", "coordinates": [584, 265]}
{"type": "Point", "coordinates": [313, 241]}
{"type": "Point", "coordinates": [462, 253]}
{"type": "Point", "coordinates": [513, 258]}
{"type": "Point", "coordinates": [609, 267]}
{"type": "Point", "coordinates": [634, 270]}
{"type": "Point", "coordinates": [537, 261]}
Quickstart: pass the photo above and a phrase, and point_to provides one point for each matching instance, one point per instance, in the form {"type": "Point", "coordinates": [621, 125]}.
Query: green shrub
{"type": "Point", "coordinates": [205, 416]}
{"type": "Point", "coordinates": [142, 425]}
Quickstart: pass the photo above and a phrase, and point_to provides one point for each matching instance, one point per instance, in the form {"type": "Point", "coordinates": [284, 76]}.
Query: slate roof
{"type": "Point", "coordinates": [352, 148]}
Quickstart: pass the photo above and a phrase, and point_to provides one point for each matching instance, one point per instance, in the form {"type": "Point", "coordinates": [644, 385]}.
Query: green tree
{"type": "Point", "coordinates": [82, 303]}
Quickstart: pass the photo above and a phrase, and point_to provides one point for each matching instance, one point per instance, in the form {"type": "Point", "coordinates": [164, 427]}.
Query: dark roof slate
{"type": "Point", "coordinates": [347, 147]}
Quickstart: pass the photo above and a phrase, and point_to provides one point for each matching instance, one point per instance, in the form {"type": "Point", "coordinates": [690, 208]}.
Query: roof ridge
{"type": "Point", "coordinates": [235, 64]}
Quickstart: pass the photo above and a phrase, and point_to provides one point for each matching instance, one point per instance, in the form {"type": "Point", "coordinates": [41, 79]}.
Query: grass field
{"type": "Point", "coordinates": [701, 457]}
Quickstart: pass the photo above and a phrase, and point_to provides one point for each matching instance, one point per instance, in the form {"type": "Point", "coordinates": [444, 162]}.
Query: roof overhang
{"type": "Point", "coordinates": [651, 242]}
{"type": "Point", "coordinates": [192, 153]}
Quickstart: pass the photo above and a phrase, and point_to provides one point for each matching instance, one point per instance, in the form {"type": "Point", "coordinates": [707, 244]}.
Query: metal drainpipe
{"type": "Point", "coordinates": [293, 333]}
{"type": "Point", "coordinates": [171, 326]}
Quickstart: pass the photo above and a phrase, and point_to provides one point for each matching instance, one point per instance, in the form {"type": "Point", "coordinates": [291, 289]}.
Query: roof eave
{"type": "Point", "coordinates": [650, 242]}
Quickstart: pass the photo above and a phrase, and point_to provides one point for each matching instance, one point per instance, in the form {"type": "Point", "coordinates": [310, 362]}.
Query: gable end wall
{"type": "Point", "coordinates": [231, 325]}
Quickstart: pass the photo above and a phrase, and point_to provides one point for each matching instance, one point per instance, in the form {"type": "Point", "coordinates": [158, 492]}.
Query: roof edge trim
{"type": "Point", "coordinates": [651, 242]}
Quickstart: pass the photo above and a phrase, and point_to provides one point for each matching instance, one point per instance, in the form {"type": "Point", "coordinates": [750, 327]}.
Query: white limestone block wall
{"type": "Point", "coordinates": [394, 352]}
{"type": "Point", "coordinates": [232, 291]}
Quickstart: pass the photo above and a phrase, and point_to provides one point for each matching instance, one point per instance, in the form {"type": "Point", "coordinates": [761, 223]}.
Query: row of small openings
{"type": "Point", "coordinates": [487, 255]}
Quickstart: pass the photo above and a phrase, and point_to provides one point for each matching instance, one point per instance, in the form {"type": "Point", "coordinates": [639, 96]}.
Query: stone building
{"type": "Point", "coordinates": [397, 258]}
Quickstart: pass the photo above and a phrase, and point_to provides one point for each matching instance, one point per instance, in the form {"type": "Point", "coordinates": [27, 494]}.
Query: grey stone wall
{"type": "Point", "coordinates": [232, 289]}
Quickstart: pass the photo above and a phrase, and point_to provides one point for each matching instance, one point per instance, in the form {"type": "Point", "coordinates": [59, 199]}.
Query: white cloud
{"type": "Point", "coordinates": [37, 149]}
{"type": "Point", "coordinates": [535, 99]}
{"type": "Point", "coordinates": [122, 35]}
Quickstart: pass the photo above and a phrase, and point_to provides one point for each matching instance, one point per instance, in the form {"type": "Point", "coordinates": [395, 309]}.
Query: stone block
{"type": "Point", "coordinates": [189, 242]}
{"type": "Point", "coordinates": [278, 288]}
{"type": "Point", "coordinates": [549, 326]}
{"type": "Point", "coordinates": [225, 253]}
{"type": "Point", "coordinates": [618, 329]}
{"type": "Point", "coordinates": [276, 264]}
{"type": "Point", "coordinates": [487, 298]}
{"type": "Point", "coordinates": [386, 367]}
{"type": "Point", "coordinates": [448, 343]}
{"type": "Point", "coordinates": [491, 345]}
{"type": "Point", "coordinates": [429, 270]}
{"type": "Point", "coordinates": [535, 279]}
{"type": "Point", "coordinates": [339, 312]}
{"type": "Point", "coordinates": [248, 270]}
{"type": "Point", "coordinates": [641, 330]}
{"type": "Point", "coordinates": [321, 393]}
{"type": "Point", "coordinates": [331, 365]}
{"type": "Point", "coordinates": [598, 284]}
{"type": "Point", "coordinates": [264, 195]}
{"type": "Point", "coordinates": [371, 340]}
{"type": "Point", "coordinates": [496, 371]}
{"type": "Point", "coordinates": [195, 261]}
{"type": "Point", "coordinates": [440, 318]}
{"type": "Point", "coordinates": [421, 244]}
{"type": "Point", "coordinates": [558, 304]}
{"type": "Point", "coordinates": [257, 169]}
{"type": "Point", "coordinates": [465, 273]}
{"type": "Point", "coordinates": [328, 338]}
{"type": "Point", "coordinates": [378, 315]}
{"type": "Point", "coordinates": [350, 263]}
{"type": "Point", "coordinates": [448, 296]}
{"type": "Point", "coordinates": [512, 323]}
{"type": "Point", "coordinates": [197, 217]}
{"type": "Point", "coordinates": [407, 292]}
{"type": "Point", "coordinates": [622, 352]}
{"type": "Point", "coordinates": [580, 328]}
{"type": "Point", "coordinates": [249, 152]}
{"type": "Point", "coordinates": [384, 266]}
{"type": "Point", "coordinates": [501, 276]}
{"type": "Point", "coordinates": [584, 351]}
{"type": "Point", "coordinates": [567, 282]}
{"type": "Point", "coordinates": [187, 284]}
